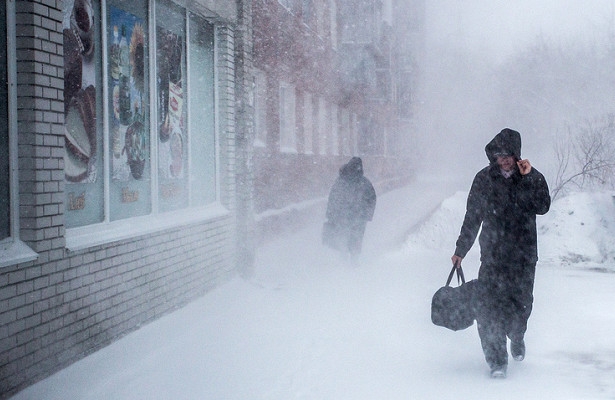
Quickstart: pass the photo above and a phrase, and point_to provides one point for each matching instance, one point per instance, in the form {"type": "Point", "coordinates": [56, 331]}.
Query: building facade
{"type": "Point", "coordinates": [122, 161]}
{"type": "Point", "coordinates": [328, 86]}
{"type": "Point", "coordinates": [146, 144]}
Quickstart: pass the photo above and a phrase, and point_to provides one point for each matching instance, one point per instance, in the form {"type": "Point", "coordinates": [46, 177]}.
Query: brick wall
{"type": "Point", "coordinates": [58, 312]}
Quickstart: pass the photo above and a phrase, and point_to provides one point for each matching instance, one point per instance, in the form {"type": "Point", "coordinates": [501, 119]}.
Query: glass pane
{"type": "Point", "coordinates": [5, 210]}
{"type": "Point", "coordinates": [287, 118]}
{"type": "Point", "coordinates": [172, 134]}
{"type": "Point", "coordinates": [201, 117]}
{"type": "Point", "coordinates": [83, 161]}
{"type": "Point", "coordinates": [260, 108]}
{"type": "Point", "coordinates": [334, 130]}
{"type": "Point", "coordinates": [308, 122]}
{"type": "Point", "coordinates": [128, 102]}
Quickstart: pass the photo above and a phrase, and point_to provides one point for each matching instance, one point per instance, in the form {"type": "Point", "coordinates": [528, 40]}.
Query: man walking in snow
{"type": "Point", "coordinates": [505, 198]}
{"type": "Point", "coordinates": [351, 204]}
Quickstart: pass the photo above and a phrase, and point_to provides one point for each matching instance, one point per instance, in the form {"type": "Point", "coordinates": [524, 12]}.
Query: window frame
{"type": "Point", "coordinates": [109, 230]}
{"type": "Point", "coordinates": [12, 249]}
{"type": "Point", "coordinates": [287, 111]}
{"type": "Point", "coordinates": [334, 122]}
{"type": "Point", "coordinates": [260, 108]}
{"type": "Point", "coordinates": [333, 24]}
{"type": "Point", "coordinates": [307, 12]}
{"type": "Point", "coordinates": [345, 132]}
{"type": "Point", "coordinates": [323, 132]}
{"type": "Point", "coordinates": [308, 123]}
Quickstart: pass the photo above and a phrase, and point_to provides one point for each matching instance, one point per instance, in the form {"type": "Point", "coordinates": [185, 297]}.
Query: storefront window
{"type": "Point", "coordinates": [83, 156]}
{"type": "Point", "coordinates": [133, 151]}
{"type": "Point", "coordinates": [185, 104]}
{"type": "Point", "coordinates": [201, 112]}
{"type": "Point", "coordinates": [171, 84]}
{"type": "Point", "coordinates": [128, 105]}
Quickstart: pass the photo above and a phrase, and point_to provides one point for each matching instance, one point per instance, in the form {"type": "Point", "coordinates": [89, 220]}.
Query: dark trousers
{"type": "Point", "coordinates": [346, 236]}
{"type": "Point", "coordinates": [504, 307]}
{"type": "Point", "coordinates": [356, 232]}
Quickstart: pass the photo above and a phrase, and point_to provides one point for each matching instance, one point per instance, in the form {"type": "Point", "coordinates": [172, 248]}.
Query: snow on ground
{"type": "Point", "coordinates": [309, 325]}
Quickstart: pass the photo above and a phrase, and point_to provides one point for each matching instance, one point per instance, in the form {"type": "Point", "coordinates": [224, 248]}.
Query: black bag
{"type": "Point", "coordinates": [455, 307]}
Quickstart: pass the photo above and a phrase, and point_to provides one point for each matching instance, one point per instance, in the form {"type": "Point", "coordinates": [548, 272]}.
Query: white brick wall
{"type": "Point", "coordinates": [67, 304]}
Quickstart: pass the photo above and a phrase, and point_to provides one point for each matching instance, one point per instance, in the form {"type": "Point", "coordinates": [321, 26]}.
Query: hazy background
{"type": "Point", "coordinates": [540, 67]}
{"type": "Point", "coordinates": [502, 27]}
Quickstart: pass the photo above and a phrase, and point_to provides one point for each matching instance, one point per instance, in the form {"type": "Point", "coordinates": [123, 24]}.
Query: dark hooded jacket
{"type": "Point", "coordinates": [352, 199]}
{"type": "Point", "coordinates": [506, 208]}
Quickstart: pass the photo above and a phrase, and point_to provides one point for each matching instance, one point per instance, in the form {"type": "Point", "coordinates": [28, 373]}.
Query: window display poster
{"type": "Point", "coordinates": [172, 143]}
{"type": "Point", "coordinates": [126, 71]}
{"type": "Point", "coordinates": [83, 141]}
{"type": "Point", "coordinates": [129, 140]}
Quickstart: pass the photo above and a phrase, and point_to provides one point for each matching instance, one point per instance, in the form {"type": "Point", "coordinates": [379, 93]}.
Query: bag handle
{"type": "Point", "coordinates": [459, 276]}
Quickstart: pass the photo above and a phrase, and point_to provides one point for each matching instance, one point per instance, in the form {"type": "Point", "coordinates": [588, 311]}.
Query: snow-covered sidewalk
{"type": "Point", "coordinates": [308, 325]}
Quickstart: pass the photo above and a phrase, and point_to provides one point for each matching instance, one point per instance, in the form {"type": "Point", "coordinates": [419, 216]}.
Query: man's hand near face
{"type": "Point", "coordinates": [524, 166]}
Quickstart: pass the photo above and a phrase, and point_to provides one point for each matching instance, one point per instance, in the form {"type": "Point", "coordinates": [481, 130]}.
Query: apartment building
{"type": "Point", "coordinates": [328, 86]}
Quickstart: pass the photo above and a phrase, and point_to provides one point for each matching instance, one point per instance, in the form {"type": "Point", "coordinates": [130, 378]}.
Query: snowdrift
{"type": "Point", "coordinates": [578, 230]}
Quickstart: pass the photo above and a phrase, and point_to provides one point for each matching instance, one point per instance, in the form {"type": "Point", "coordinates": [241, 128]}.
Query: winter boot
{"type": "Point", "coordinates": [517, 350]}
{"type": "Point", "coordinates": [498, 372]}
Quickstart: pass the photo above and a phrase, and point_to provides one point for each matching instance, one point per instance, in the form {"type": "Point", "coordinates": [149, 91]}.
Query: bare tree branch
{"type": "Point", "coordinates": [586, 158]}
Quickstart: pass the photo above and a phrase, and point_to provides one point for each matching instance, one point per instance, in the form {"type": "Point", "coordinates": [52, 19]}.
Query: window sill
{"type": "Point", "coordinates": [96, 235]}
{"type": "Point", "coordinates": [15, 252]}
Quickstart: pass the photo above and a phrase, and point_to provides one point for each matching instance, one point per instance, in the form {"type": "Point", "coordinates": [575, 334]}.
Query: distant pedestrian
{"type": "Point", "coordinates": [351, 205]}
{"type": "Point", "coordinates": [505, 198]}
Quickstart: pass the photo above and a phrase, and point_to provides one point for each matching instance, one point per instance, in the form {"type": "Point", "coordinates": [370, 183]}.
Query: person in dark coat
{"type": "Point", "coordinates": [505, 198]}
{"type": "Point", "coordinates": [351, 203]}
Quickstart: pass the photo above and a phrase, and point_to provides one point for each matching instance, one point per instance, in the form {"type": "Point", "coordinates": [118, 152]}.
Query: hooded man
{"type": "Point", "coordinates": [505, 198]}
{"type": "Point", "coordinates": [351, 203]}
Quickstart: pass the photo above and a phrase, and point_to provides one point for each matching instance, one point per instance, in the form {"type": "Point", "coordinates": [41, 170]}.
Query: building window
{"type": "Point", "coordinates": [260, 108]}
{"type": "Point", "coordinates": [345, 132]}
{"type": "Point", "coordinates": [128, 118]}
{"type": "Point", "coordinates": [320, 18]}
{"type": "Point", "coordinates": [323, 128]}
{"type": "Point", "coordinates": [288, 140]}
{"type": "Point", "coordinates": [358, 21]}
{"type": "Point", "coordinates": [333, 23]}
{"type": "Point", "coordinates": [308, 123]}
{"type": "Point", "coordinates": [83, 156]}
{"type": "Point", "coordinates": [294, 6]}
{"type": "Point", "coordinates": [404, 96]}
{"type": "Point", "coordinates": [335, 148]}
{"type": "Point", "coordinates": [203, 169]}
{"type": "Point", "coordinates": [354, 133]}
{"type": "Point", "coordinates": [171, 91]}
{"type": "Point", "coordinates": [307, 11]}
{"type": "Point", "coordinates": [135, 149]}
